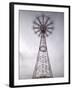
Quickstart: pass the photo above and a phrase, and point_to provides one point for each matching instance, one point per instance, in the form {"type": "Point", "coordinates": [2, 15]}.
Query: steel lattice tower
{"type": "Point", "coordinates": [43, 26]}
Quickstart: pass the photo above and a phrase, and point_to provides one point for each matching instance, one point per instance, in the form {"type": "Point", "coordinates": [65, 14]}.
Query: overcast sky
{"type": "Point", "coordinates": [29, 43]}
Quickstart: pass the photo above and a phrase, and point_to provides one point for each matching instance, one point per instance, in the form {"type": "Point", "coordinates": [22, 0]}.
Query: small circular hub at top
{"type": "Point", "coordinates": [43, 28]}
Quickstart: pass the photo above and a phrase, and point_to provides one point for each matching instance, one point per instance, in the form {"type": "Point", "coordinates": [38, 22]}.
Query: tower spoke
{"type": "Point", "coordinates": [48, 18]}
{"type": "Point", "coordinates": [49, 31]}
{"type": "Point", "coordinates": [36, 23]}
{"type": "Point", "coordinates": [37, 31]}
{"type": "Point", "coordinates": [51, 28]}
{"type": "Point", "coordinates": [50, 23]}
{"type": "Point", "coordinates": [39, 20]}
{"type": "Point", "coordinates": [35, 27]}
{"type": "Point", "coordinates": [47, 35]}
{"type": "Point", "coordinates": [43, 19]}
{"type": "Point", "coordinates": [39, 34]}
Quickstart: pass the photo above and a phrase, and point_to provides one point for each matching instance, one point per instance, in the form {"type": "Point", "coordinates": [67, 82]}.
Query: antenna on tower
{"type": "Point", "coordinates": [43, 27]}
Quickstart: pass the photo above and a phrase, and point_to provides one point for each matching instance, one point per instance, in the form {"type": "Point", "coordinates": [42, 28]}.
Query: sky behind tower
{"type": "Point", "coordinates": [29, 43]}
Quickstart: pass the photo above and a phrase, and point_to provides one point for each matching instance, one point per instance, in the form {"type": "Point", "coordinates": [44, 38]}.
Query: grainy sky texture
{"type": "Point", "coordinates": [29, 43]}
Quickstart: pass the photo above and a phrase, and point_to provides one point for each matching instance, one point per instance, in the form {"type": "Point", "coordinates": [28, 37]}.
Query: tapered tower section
{"type": "Point", "coordinates": [43, 26]}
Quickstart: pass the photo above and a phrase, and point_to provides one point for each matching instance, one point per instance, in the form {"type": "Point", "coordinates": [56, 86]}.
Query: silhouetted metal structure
{"type": "Point", "coordinates": [43, 26]}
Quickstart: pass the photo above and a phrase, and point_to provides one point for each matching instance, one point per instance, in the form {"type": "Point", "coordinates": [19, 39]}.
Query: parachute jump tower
{"type": "Point", "coordinates": [43, 26]}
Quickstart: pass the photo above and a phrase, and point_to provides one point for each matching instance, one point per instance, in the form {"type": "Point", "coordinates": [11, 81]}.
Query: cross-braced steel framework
{"type": "Point", "coordinates": [43, 26]}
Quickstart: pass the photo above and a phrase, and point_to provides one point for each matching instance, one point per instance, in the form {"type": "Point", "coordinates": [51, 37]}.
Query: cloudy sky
{"type": "Point", "coordinates": [29, 43]}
